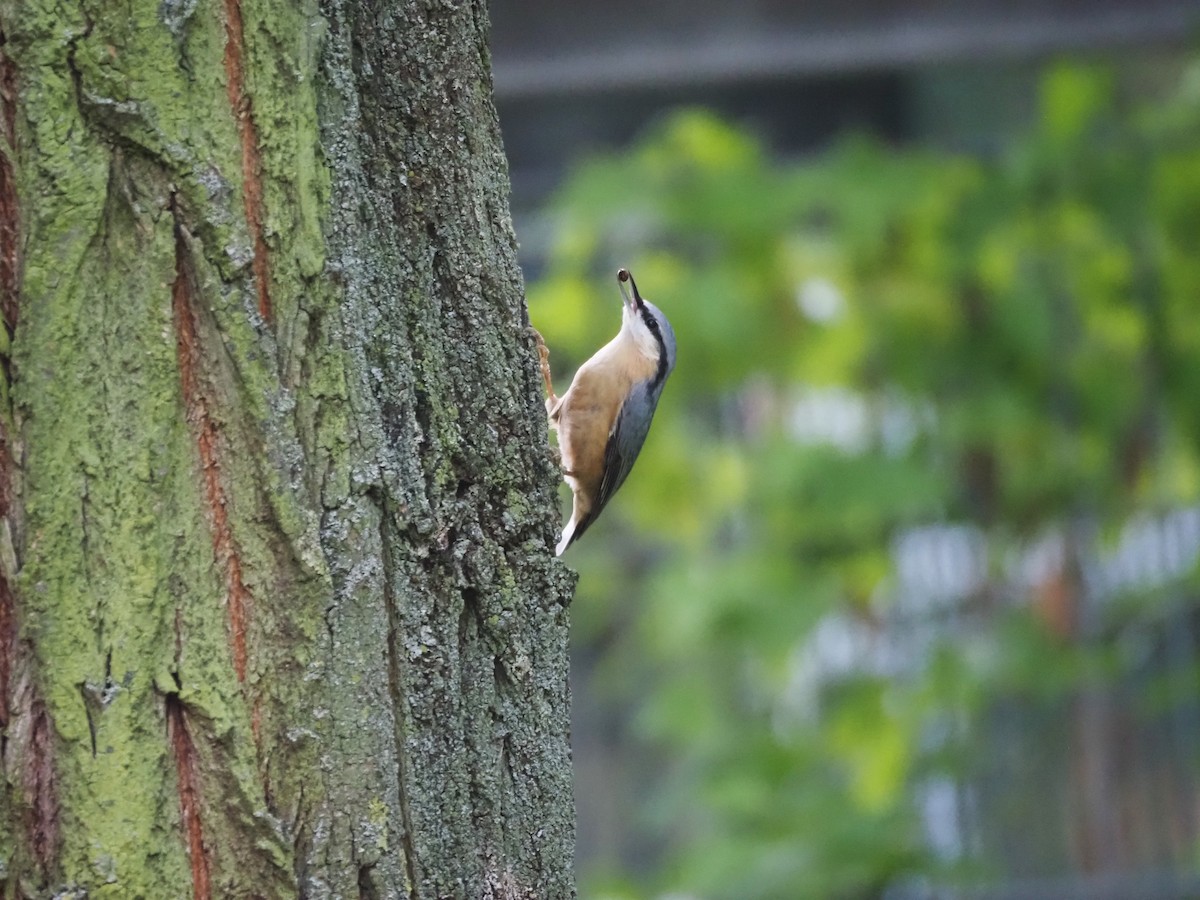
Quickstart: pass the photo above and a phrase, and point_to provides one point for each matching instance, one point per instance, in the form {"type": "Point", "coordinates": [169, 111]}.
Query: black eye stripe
{"type": "Point", "coordinates": [652, 325]}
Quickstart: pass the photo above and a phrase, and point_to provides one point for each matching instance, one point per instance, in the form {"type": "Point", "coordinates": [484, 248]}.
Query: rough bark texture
{"type": "Point", "coordinates": [279, 615]}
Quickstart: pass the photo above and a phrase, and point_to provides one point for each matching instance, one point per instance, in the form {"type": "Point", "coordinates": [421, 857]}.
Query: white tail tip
{"type": "Point", "coordinates": [568, 532]}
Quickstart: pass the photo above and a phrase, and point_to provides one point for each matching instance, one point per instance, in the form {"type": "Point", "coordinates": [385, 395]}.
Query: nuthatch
{"type": "Point", "coordinates": [603, 418]}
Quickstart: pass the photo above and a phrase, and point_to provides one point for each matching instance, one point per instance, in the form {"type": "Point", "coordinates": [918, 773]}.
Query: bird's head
{"type": "Point", "coordinates": [647, 326]}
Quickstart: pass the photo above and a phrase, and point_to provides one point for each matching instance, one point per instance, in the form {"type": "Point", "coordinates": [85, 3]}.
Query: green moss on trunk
{"type": "Point", "coordinates": [286, 619]}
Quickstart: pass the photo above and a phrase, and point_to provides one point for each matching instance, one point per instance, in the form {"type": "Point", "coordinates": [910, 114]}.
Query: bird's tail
{"type": "Point", "coordinates": [575, 529]}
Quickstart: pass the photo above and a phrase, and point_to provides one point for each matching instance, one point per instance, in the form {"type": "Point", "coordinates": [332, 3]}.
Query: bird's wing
{"type": "Point", "coordinates": [625, 441]}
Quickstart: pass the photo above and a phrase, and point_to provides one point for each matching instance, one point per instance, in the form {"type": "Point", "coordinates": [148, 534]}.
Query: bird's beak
{"type": "Point", "coordinates": [634, 303]}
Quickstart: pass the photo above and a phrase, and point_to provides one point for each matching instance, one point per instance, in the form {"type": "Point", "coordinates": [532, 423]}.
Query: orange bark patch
{"type": "Point", "coordinates": [31, 729]}
{"type": "Point", "coordinates": [252, 192]}
{"type": "Point", "coordinates": [196, 405]}
{"type": "Point", "coordinates": [189, 796]}
{"type": "Point", "coordinates": [41, 794]}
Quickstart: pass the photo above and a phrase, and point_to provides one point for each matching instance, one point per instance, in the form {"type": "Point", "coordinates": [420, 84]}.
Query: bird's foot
{"type": "Point", "coordinates": [544, 361]}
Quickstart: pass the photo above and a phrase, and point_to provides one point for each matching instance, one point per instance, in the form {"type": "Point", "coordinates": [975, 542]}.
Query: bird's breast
{"type": "Point", "coordinates": [590, 407]}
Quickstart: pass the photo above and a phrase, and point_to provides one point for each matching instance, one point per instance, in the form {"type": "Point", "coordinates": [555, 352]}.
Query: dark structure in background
{"type": "Point", "coordinates": [573, 78]}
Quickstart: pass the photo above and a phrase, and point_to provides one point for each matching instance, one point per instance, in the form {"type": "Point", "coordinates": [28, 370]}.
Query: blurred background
{"type": "Point", "coordinates": [902, 599]}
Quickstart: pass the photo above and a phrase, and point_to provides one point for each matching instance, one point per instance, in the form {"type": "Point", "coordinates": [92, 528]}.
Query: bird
{"type": "Point", "coordinates": [603, 418]}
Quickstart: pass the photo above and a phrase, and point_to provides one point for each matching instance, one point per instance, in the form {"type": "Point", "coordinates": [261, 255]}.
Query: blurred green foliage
{"type": "Point", "coordinates": [1010, 342]}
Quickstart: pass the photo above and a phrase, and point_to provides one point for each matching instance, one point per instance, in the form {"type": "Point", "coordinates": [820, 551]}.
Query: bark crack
{"type": "Point", "coordinates": [252, 189]}
{"type": "Point", "coordinates": [8, 615]}
{"type": "Point", "coordinates": [91, 721]}
{"type": "Point", "coordinates": [398, 697]}
{"type": "Point", "coordinates": [186, 767]}
{"type": "Point", "coordinates": [8, 649]}
{"type": "Point", "coordinates": [204, 429]}
{"type": "Point", "coordinates": [41, 787]}
{"type": "Point", "coordinates": [26, 728]}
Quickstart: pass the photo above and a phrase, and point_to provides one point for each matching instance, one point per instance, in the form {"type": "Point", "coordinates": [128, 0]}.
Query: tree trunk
{"type": "Point", "coordinates": [279, 614]}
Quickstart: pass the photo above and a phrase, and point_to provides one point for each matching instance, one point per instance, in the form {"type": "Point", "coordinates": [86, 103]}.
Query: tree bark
{"type": "Point", "coordinates": [279, 614]}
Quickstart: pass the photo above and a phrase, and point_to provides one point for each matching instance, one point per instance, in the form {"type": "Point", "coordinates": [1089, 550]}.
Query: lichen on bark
{"type": "Point", "coordinates": [284, 620]}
